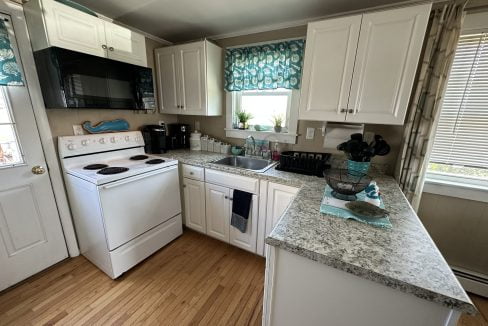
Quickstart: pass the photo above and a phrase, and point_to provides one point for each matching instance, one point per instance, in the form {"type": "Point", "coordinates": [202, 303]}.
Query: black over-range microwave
{"type": "Point", "coordinates": [71, 79]}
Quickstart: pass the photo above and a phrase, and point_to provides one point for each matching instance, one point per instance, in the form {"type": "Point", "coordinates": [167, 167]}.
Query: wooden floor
{"type": "Point", "coordinates": [194, 280]}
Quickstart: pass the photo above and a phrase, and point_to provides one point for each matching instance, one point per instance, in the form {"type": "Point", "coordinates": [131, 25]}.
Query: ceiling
{"type": "Point", "coordinates": [183, 20]}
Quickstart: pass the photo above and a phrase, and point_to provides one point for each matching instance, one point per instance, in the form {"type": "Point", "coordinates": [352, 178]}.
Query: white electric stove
{"type": "Point", "coordinates": [125, 203]}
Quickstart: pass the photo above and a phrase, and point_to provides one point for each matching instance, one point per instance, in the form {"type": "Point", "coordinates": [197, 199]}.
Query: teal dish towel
{"type": "Point", "coordinates": [333, 206]}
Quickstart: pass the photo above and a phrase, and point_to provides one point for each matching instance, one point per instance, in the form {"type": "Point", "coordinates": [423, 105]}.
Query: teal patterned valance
{"type": "Point", "coordinates": [269, 66]}
{"type": "Point", "coordinates": [9, 69]}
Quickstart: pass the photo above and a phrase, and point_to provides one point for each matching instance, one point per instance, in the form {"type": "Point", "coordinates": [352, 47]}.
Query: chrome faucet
{"type": "Point", "coordinates": [253, 144]}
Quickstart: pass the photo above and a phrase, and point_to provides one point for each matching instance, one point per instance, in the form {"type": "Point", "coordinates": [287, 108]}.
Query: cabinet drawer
{"type": "Point", "coordinates": [193, 172]}
{"type": "Point", "coordinates": [232, 181]}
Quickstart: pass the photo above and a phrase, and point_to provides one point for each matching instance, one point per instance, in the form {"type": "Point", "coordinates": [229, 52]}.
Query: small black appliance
{"type": "Point", "coordinates": [155, 139]}
{"type": "Point", "coordinates": [179, 135]}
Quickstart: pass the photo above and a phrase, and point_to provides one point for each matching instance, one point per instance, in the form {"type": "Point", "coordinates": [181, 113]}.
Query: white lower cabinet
{"type": "Point", "coordinates": [194, 200]}
{"type": "Point", "coordinates": [218, 211]}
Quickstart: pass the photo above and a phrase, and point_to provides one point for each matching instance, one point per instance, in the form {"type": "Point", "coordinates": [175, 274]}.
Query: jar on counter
{"type": "Point", "coordinates": [204, 143]}
{"type": "Point", "coordinates": [195, 141]}
{"type": "Point", "coordinates": [210, 146]}
{"type": "Point", "coordinates": [225, 149]}
{"type": "Point", "coordinates": [216, 146]}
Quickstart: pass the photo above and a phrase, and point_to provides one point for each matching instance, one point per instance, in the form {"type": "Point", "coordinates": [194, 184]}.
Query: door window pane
{"type": "Point", "coordinates": [10, 153]}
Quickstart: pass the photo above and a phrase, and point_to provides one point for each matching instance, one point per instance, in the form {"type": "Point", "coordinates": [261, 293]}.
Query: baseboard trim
{"type": "Point", "coordinates": [473, 282]}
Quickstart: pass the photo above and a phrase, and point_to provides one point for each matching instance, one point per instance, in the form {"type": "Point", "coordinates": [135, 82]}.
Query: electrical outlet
{"type": "Point", "coordinates": [77, 130]}
{"type": "Point", "coordinates": [310, 133]}
{"type": "Point", "coordinates": [161, 122]}
{"type": "Point", "coordinates": [368, 136]}
{"type": "Point", "coordinates": [197, 125]}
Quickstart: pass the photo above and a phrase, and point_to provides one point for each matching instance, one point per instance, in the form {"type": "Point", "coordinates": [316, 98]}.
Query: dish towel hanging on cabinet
{"type": "Point", "coordinates": [241, 206]}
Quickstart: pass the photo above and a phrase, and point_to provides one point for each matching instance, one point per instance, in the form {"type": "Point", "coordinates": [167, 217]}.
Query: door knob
{"type": "Point", "coordinates": [38, 170]}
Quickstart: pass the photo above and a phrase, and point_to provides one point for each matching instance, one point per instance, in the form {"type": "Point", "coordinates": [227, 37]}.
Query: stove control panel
{"type": "Point", "coordinates": [96, 143]}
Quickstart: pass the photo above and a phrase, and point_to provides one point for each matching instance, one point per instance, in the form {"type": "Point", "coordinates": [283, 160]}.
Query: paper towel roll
{"type": "Point", "coordinates": [336, 133]}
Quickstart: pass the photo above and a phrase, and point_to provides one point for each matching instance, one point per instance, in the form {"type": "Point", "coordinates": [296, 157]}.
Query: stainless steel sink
{"type": "Point", "coordinates": [249, 163]}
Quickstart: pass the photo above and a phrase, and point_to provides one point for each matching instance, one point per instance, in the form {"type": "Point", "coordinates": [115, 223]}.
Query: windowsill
{"type": "Point", "coordinates": [441, 185]}
{"type": "Point", "coordinates": [282, 137]}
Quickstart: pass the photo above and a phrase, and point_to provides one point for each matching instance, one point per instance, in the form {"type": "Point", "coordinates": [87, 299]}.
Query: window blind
{"type": "Point", "coordinates": [462, 133]}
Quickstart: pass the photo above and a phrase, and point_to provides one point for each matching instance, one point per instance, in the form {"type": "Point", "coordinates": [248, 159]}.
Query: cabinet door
{"type": "Point", "coordinates": [279, 197]}
{"type": "Point", "coordinates": [167, 78]}
{"type": "Point", "coordinates": [218, 211]}
{"type": "Point", "coordinates": [194, 198]}
{"type": "Point", "coordinates": [247, 240]}
{"type": "Point", "coordinates": [192, 74]}
{"type": "Point", "coordinates": [125, 45]}
{"type": "Point", "coordinates": [72, 29]}
{"type": "Point", "coordinates": [328, 67]}
{"type": "Point", "coordinates": [387, 58]}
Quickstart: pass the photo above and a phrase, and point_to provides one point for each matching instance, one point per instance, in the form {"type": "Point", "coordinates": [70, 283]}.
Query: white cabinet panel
{"type": "Point", "coordinates": [192, 67]}
{"type": "Point", "coordinates": [387, 58]}
{"type": "Point", "coordinates": [166, 73]}
{"type": "Point", "coordinates": [328, 68]}
{"type": "Point", "coordinates": [74, 30]}
{"type": "Point", "coordinates": [194, 198]}
{"type": "Point", "coordinates": [218, 211]}
{"type": "Point", "coordinates": [125, 45]}
{"type": "Point", "coordinates": [279, 197]}
{"type": "Point", "coordinates": [247, 240]}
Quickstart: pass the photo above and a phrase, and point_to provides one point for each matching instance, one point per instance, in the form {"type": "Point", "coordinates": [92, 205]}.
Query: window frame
{"type": "Point", "coordinates": [454, 185]}
{"type": "Point", "coordinates": [288, 135]}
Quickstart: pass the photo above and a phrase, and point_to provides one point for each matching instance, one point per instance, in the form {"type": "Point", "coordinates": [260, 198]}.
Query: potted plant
{"type": "Point", "coordinates": [243, 118]}
{"type": "Point", "coordinates": [359, 152]}
{"type": "Point", "coordinates": [277, 122]}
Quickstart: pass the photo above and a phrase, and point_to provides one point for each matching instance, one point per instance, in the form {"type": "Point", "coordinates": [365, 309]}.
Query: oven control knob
{"type": "Point", "coordinates": [137, 139]}
{"type": "Point", "coordinates": [127, 138]}
{"type": "Point", "coordinates": [71, 147]}
{"type": "Point", "coordinates": [112, 139]}
{"type": "Point", "coordinates": [84, 142]}
{"type": "Point", "coordinates": [101, 140]}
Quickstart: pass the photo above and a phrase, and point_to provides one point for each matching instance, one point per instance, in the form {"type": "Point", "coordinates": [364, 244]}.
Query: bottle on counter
{"type": "Point", "coordinates": [275, 156]}
{"type": "Point", "coordinates": [216, 146]}
{"type": "Point", "coordinates": [204, 143]}
{"type": "Point", "coordinates": [210, 146]}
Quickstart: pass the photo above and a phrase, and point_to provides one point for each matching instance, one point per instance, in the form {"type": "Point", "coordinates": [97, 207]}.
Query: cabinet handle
{"type": "Point", "coordinates": [343, 110]}
{"type": "Point", "coordinates": [350, 111]}
{"type": "Point", "coordinates": [226, 197]}
{"type": "Point", "coordinates": [111, 48]}
{"type": "Point", "coordinates": [231, 198]}
{"type": "Point", "coordinates": [104, 46]}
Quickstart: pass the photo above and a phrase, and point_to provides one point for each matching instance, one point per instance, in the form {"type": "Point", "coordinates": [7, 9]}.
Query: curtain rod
{"type": "Point", "coordinates": [245, 45]}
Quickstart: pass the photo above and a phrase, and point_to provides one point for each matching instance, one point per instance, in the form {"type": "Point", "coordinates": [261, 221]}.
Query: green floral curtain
{"type": "Point", "coordinates": [269, 66]}
{"type": "Point", "coordinates": [9, 70]}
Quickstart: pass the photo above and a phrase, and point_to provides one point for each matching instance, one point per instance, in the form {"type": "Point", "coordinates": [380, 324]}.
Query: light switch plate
{"type": "Point", "coordinates": [77, 130]}
{"type": "Point", "coordinates": [310, 133]}
{"type": "Point", "coordinates": [368, 136]}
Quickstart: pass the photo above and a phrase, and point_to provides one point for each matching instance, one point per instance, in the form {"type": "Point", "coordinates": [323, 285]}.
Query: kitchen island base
{"type": "Point", "coordinates": [300, 291]}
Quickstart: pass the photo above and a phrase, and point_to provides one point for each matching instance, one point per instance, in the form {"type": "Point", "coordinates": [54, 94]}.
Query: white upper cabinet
{"type": "Point", "coordinates": [327, 72]}
{"type": "Point", "coordinates": [190, 79]}
{"type": "Point", "coordinates": [52, 23]}
{"type": "Point", "coordinates": [125, 45]}
{"type": "Point", "coordinates": [361, 68]}
{"type": "Point", "coordinates": [386, 62]}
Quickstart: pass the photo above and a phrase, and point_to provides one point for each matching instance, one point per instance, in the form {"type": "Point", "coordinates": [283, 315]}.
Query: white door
{"type": "Point", "coordinates": [247, 240]}
{"type": "Point", "coordinates": [125, 45]}
{"type": "Point", "coordinates": [328, 68]}
{"type": "Point", "coordinates": [194, 197]}
{"type": "Point", "coordinates": [193, 76]}
{"type": "Point", "coordinates": [167, 77]}
{"type": "Point", "coordinates": [218, 211]}
{"type": "Point", "coordinates": [74, 30]}
{"type": "Point", "coordinates": [387, 58]}
{"type": "Point", "coordinates": [279, 197]}
{"type": "Point", "coordinates": [31, 238]}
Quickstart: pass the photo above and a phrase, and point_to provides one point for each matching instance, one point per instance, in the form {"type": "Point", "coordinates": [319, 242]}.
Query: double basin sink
{"type": "Point", "coordinates": [248, 163]}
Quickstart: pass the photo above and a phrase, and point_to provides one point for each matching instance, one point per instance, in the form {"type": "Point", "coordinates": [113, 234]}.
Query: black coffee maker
{"type": "Point", "coordinates": [178, 135]}
{"type": "Point", "coordinates": [155, 139]}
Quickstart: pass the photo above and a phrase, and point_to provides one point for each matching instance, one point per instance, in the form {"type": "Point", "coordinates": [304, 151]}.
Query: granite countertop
{"type": "Point", "coordinates": [403, 258]}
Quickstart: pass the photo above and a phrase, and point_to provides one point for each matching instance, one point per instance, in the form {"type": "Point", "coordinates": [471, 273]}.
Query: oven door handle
{"type": "Point", "coordinates": [139, 177]}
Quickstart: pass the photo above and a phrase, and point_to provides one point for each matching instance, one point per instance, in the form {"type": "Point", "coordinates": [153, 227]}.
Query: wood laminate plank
{"type": "Point", "coordinates": [193, 280]}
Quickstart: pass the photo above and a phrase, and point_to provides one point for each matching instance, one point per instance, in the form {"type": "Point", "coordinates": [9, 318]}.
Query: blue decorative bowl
{"type": "Point", "coordinates": [236, 150]}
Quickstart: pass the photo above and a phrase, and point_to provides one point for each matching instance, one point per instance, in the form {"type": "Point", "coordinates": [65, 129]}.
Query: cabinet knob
{"type": "Point", "coordinates": [111, 48]}
{"type": "Point", "coordinates": [191, 173]}
{"type": "Point", "coordinates": [343, 110]}
{"type": "Point", "coordinates": [226, 197]}
{"type": "Point", "coordinates": [350, 111]}
{"type": "Point", "coordinates": [104, 46]}
{"type": "Point", "coordinates": [184, 186]}
{"type": "Point", "coordinates": [231, 198]}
